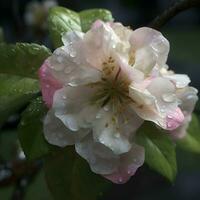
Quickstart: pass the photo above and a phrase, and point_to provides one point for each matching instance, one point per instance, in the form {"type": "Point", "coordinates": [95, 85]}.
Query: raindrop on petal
{"type": "Point", "coordinates": [169, 97]}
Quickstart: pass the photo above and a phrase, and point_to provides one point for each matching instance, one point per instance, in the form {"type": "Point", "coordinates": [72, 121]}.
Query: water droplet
{"type": "Point", "coordinates": [120, 180]}
{"type": "Point", "coordinates": [43, 75]}
{"type": "Point", "coordinates": [169, 97]}
{"type": "Point", "coordinates": [169, 116]}
{"type": "Point", "coordinates": [162, 110]}
{"type": "Point", "coordinates": [106, 108]}
{"type": "Point", "coordinates": [180, 84]}
{"type": "Point", "coordinates": [169, 125]}
{"type": "Point", "coordinates": [190, 96]}
{"type": "Point", "coordinates": [102, 141]}
{"type": "Point", "coordinates": [98, 116]}
{"type": "Point", "coordinates": [67, 70]}
{"type": "Point", "coordinates": [114, 46]}
{"type": "Point", "coordinates": [47, 86]}
{"type": "Point", "coordinates": [51, 66]}
{"type": "Point", "coordinates": [72, 54]}
{"type": "Point", "coordinates": [64, 97]}
{"type": "Point", "coordinates": [60, 59]}
{"type": "Point", "coordinates": [72, 84]}
{"type": "Point", "coordinates": [117, 135]}
{"type": "Point", "coordinates": [129, 171]}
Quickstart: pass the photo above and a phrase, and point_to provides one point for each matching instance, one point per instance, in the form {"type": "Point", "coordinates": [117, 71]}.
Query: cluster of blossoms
{"type": "Point", "coordinates": [102, 85]}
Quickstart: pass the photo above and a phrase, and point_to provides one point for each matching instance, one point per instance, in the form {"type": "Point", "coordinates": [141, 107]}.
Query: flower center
{"type": "Point", "coordinates": [113, 87]}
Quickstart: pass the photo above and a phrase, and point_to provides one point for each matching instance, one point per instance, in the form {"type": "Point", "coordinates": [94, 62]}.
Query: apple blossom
{"type": "Point", "coordinates": [102, 85]}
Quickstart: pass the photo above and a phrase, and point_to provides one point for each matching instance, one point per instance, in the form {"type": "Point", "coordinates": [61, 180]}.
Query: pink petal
{"type": "Point", "coordinates": [48, 84]}
{"type": "Point", "coordinates": [122, 176]}
{"type": "Point", "coordinates": [174, 119]}
{"type": "Point", "coordinates": [98, 23]}
{"type": "Point", "coordinates": [181, 131]}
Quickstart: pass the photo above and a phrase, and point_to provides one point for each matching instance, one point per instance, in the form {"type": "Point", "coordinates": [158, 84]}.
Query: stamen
{"type": "Point", "coordinates": [118, 72]}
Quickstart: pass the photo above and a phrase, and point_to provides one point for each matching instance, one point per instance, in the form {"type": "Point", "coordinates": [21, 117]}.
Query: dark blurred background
{"type": "Point", "coordinates": [183, 32]}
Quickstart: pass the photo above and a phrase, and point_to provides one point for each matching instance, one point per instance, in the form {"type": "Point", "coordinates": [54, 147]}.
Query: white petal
{"type": "Point", "coordinates": [188, 98]}
{"type": "Point", "coordinates": [157, 43]}
{"type": "Point", "coordinates": [72, 106]}
{"type": "Point", "coordinates": [144, 59]}
{"type": "Point", "coordinates": [100, 158]}
{"type": "Point", "coordinates": [129, 163]}
{"type": "Point", "coordinates": [150, 105]}
{"type": "Point", "coordinates": [74, 36]}
{"type": "Point", "coordinates": [116, 132]}
{"type": "Point", "coordinates": [69, 66]}
{"type": "Point", "coordinates": [180, 80]}
{"type": "Point", "coordinates": [57, 133]}
{"type": "Point", "coordinates": [100, 43]}
{"type": "Point", "coordinates": [122, 32]}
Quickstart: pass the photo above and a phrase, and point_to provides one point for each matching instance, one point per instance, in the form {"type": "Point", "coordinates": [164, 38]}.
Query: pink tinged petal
{"type": "Point", "coordinates": [174, 119]}
{"type": "Point", "coordinates": [123, 176]}
{"type": "Point", "coordinates": [48, 84]}
{"type": "Point", "coordinates": [157, 103]}
{"type": "Point", "coordinates": [155, 46]}
{"type": "Point", "coordinates": [129, 163]}
{"type": "Point", "coordinates": [97, 24]}
{"type": "Point", "coordinates": [100, 158]}
{"type": "Point", "coordinates": [181, 131]}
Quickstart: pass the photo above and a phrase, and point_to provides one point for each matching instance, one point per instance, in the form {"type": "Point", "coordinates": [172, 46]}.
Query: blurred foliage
{"type": "Point", "coordinates": [8, 145]}
{"type": "Point", "coordinates": [1, 35]}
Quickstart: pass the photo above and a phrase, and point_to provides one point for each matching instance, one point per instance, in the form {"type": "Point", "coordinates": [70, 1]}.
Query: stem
{"type": "Point", "coordinates": [16, 170]}
{"type": "Point", "coordinates": [172, 11]}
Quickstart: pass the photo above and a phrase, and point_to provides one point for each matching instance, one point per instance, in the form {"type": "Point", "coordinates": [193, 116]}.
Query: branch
{"type": "Point", "coordinates": [172, 11]}
{"type": "Point", "coordinates": [11, 172]}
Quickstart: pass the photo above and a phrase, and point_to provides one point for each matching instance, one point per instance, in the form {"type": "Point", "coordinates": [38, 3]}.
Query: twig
{"type": "Point", "coordinates": [172, 11]}
{"type": "Point", "coordinates": [11, 172]}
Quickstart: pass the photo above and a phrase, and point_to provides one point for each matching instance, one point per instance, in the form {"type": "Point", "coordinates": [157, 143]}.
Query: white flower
{"type": "Point", "coordinates": [101, 86]}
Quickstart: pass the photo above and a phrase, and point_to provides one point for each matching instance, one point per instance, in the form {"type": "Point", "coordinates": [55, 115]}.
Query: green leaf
{"type": "Point", "coordinates": [69, 177]}
{"type": "Point", "coordinates": [160, 152]}
{"type": "Point", "coordinates": [88, 17]}
{"type": "Point", "coordinates": [61, 20]}
{"type": "Point", "coordinates": [37, 189]}
{"type": "Point", "coordinates": [191, 142]}
{"type": "Point", "coordinates": [30, 131]}
{"type": "Point", "coordinates": [22, 59]}
{"type": "Point", "coordinates": [15, 93]}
